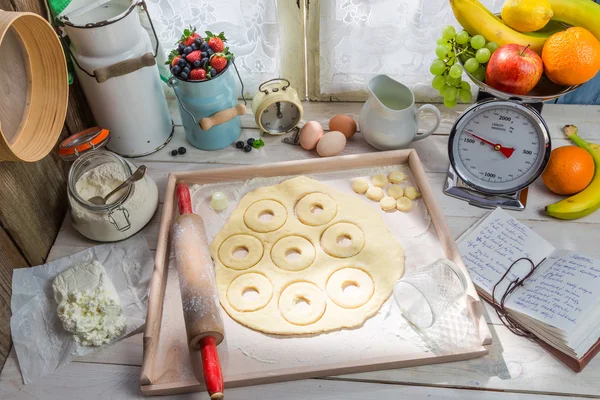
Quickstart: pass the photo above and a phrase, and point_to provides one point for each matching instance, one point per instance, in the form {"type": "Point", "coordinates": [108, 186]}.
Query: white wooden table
{"type": "Point", "coordinates": [515, 368]}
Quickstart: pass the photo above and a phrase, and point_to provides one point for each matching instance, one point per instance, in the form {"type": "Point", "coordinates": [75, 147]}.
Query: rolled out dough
{"type": "Point", "coordinates": [346, 244]}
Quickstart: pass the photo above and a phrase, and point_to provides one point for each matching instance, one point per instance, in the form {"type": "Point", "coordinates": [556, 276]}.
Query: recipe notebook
{"type": "Point", "coordinates": [559, 302]}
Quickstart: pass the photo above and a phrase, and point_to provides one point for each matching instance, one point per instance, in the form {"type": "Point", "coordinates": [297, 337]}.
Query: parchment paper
{"type": "Point", "coordinates": [41, 343]}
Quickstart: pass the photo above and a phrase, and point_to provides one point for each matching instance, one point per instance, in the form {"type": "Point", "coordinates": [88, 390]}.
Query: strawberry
{"type": "Point", "coordinates": [219, 61]}
{"type": "Point", "coordinates": [188, 36]}
{"type": "Point", "coordinates": [197, 74]}
{"type": "Point", "coordinates": [194, 56]}
{"type": "Point", "coordinates": [215, 42]}
{"type": "Point", "coordinates": [175, 61]}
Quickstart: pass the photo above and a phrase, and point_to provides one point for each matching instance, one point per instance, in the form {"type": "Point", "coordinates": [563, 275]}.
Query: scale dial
{"type": "Point", "coordinates": [280, 117]}
{"type": "Point", "coordinates": [499, 147]}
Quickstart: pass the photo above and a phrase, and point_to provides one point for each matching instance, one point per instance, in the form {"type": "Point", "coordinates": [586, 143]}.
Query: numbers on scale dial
{"type": "Point", "coordinates": [498, 145]}
{"type": "Point", "coordinates": [280, 116]}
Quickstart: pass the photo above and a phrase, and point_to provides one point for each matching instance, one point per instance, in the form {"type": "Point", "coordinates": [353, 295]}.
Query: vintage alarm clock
{"type": "Point", "coordinates": [276, 106]}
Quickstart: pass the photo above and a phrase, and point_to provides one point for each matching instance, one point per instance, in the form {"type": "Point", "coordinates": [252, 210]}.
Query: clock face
{"type": "Point", "coordinates": [280, 117]}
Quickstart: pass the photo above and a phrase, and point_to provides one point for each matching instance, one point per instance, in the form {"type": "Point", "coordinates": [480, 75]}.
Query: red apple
{"type": "Point", "coordinates": [514, 69]}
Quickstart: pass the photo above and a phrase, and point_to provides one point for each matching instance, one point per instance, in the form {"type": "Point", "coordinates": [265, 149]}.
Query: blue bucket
{"type": "Point", "coordinates": [201, 100]}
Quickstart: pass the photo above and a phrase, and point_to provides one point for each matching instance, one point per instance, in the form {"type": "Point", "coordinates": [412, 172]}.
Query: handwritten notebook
{"type": "Point", "coordinates": [559, 302]}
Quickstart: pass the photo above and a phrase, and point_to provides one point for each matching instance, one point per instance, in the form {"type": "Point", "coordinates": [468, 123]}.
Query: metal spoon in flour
{"type": "Point", "coordinates": [136, 176]}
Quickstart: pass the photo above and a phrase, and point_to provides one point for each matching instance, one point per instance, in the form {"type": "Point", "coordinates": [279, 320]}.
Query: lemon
{"type": "Point", "coordinates": [526, 15]}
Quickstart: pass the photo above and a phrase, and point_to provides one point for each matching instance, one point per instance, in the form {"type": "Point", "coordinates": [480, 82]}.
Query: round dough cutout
{"type": "Point", "coordinates": [316, 209]}
{"type": "Point", "coordinates": [404, 204]}
{"type": "Point", "coordinates": [379, 180]}
{"type": "Point", "coordinates": [375, 193]}
{"type": "Point", "coordinates": [396, 176]}
{"type": "Point", "coordinates": [293, 253]}
{"type": "Point", "coordinates": [350, 287]}
{"type": "Point", "coordinates": [265, 216]}
{"type": "Point", "coordinates": [240, 252]}
{"type": "Point", "coordinates": [360, 185]}
{"type": "Point", "coordinates": [302, 303]}
{"type": "Point", "coordinates": [388, 203]}
{"type": "Point", "coordinates": [395, 191]}
{"type": "Point", "coordinates": [343, 240]}
{"type": "Point", "coordinates": [411, 192]}
{"type": "Point", "coordinates": [249, 292]}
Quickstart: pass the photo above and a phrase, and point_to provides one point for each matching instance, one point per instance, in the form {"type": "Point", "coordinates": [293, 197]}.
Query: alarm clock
{"type": "Point", "coordinates": [276, 106]}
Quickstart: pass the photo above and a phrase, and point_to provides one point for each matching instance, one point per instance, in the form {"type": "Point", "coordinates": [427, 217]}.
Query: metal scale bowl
{"type": "Point", "coordinates": [487, 184]}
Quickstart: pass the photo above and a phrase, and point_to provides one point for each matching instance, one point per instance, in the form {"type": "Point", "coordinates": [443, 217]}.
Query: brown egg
{"type": "Point", "coordinates": [310, 134]}
{"type": "Point", "coordinates": [331, 144]}
{"type": "Point", "coordinates": [344, 124]}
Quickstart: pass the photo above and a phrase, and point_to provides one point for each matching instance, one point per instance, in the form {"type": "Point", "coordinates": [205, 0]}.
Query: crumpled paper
{"type": "Point", "coordinates": [41, 343]}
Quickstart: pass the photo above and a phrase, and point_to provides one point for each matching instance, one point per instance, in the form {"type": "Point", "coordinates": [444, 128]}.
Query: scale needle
{"type": "Point", "coordinates": [506, 151]}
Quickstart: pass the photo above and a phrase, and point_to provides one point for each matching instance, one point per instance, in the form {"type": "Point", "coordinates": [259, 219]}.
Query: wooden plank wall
{"type": "Point", "coordinates": [33, 198]}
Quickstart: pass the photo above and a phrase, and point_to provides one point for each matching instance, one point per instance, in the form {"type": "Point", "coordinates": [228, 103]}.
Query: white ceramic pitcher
{"type": "Point", "coordinates": [388, 120]}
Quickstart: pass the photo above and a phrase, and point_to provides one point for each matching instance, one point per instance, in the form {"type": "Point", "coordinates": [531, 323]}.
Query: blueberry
{"type": "Point", "coordinates": [187, 50]}
{"type": "Point", "coordinates": [250, 141]}
{"type": "Point", "coordinates": [213, 72]}
{"type": "Point", "coordinates": [204, 46]}
{"type": "Point", "coordinates": [181, 150]}
{"type": "Point", "coordinates": [239, 144]}
{"type": "Point", "coordinates": [182, 62]}
{"type": "Point", "coordinates": [193, 46]}
{"type": "Point", "coordinates": [247, 148]}
{"type": "Point", "coordinates": [197, 64]}
{"type": "Point", "coordinates": [183, 76]}
{"type": "Point", "coordinates": [180, 48]}
{"type": "Point", "coordinates": [186, 70]}
{"type": "Point", "coordinates": [210, 52]}
{"type": "Point", "coordinates": [198, 41]}
{"type": "Point", "coordinates": [176, 70]}
{"type": "Point", "coordinates": [173, 153]}
{"type": "Point", "coordinates": [203, 54]}
{"type": "Point", "coordinates": [204, 62]}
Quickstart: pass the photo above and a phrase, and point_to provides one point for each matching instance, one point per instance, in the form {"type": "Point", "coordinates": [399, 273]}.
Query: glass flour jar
{"type": "Point", "coordinates": [96, 172]}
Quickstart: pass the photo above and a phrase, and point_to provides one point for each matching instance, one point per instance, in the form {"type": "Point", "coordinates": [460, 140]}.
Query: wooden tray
{"type": "Point", "coordinates": [166, 362]}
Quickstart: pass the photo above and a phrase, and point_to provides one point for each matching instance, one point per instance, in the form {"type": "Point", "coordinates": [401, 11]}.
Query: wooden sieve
{"type": "Point", "coordinates": [34, 88]}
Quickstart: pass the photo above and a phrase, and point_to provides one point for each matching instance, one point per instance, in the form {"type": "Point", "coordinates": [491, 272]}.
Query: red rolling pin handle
{"type": "Point", "coordinates": [185, 200]}
{"type": "Point", "coordinates": [213, 377]}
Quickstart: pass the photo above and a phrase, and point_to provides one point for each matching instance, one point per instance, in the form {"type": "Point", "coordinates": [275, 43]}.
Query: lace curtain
{"type": "Point", "coordinates": [250, 27]}
{"type": "Point", "coordinates": [363, 38]}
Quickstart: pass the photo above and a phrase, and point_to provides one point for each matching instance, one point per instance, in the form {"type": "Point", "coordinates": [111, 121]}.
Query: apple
{"type": "Point", "coordinates": [514, 69]}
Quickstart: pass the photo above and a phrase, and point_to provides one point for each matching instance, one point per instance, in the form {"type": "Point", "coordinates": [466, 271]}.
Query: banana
{"type": "Point", "coordinates": [476, 19]}
{"type": "Point", "coordinates": [583, 13]}
{"type": "Point", "coordinates": [588, 200]}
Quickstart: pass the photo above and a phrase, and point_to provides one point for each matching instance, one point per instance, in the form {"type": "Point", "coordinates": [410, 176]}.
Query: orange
{"type": "Point", "coordinates": [569, 170]}
{"type": "Point", "coordinates": [571, 57]}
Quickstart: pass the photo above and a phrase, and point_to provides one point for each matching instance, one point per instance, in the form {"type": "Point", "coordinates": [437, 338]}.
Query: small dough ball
{"type": "Point", "coordinates": [404, 204]}
{"type": "Point", "coordinates": [310, 134]}
{"type": "Point", "coordinates": [379, 180]}
{"type": "Point", "coordinates": [411, 192]}
{"type": "Point", "coordinates": [331, 144]}
{"type": "Point", "coordinates": [387, 203]}
{"type": "Point", "coordinates": [375, 193]}
{"type": "Point", "coordinates": [360, 186]}
{"type": "Point", "coordinates": [396, 176]}
{"type": "Point", "coordinates": [395, 191]}
{"type": "Point", "coordinates": [344, 124]}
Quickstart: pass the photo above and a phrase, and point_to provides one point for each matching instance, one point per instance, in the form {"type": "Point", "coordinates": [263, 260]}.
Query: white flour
{"type": "Point", "coordinates": [100, 181]}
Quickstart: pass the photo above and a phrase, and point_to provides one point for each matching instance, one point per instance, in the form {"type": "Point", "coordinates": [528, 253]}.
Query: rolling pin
{"type": "Point", "coordinates": [201, 309]}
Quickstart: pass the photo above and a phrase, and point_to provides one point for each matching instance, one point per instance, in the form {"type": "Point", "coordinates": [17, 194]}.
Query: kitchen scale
{"type": "Point", "coordinates": [499, 146]}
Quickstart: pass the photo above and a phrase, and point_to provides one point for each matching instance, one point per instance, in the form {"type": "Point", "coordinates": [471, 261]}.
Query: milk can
{"type": "Point", "coordinates": [116, 65]}
{"type": "Point", "coordinates": [210, 110]}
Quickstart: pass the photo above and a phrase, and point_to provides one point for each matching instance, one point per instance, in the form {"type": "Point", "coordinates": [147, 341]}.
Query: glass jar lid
{"type": "Point", "coordinates": [82, 142]}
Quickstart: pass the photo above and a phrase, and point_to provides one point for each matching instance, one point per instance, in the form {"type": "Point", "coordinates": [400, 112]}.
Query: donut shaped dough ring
{"type": "Point", "coordinates": [293, 243]}
{"type": "Point", "coordinates": [344, 277]}
{"type": "Point", "coordinates": [307, 204]}
{"type": "Point", "coordinates": [329, 240]}
{"type": "Point", "coordinates": [251, 244]}
{"type": "Point", "coordinates": [297, 292]}
{"type": "Point", "coordinates": [252, 216]}
{"type": "Point", "coordinates": [245, 282]}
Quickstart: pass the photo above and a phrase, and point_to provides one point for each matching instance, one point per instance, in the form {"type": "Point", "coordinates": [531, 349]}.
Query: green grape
{"type": "Point", "coordinates": [464, 57]}
{"type": "Point", "coordinates": [450, 93]}
{"type": "Point", "coordinates": [441, 40]}
{"type": "Point", "coordinates": [462, 37]}
{"type": "Point", "coordinates": [477, 42]}
{"type": "Point", "coordinates": [471, 65]}
{"type": "Point", "coordinates": [455, 71]}
{"type": "Point", "coordinates": [483, 55]}
{"type": "Point", "coordinates": [465, 96]}
{"type": "Point", "coordinates": [492, 46]}
{"type": "Point", "coordinates": [453, 81]}
{"type": "Point", "coordinates": [438, 82]}
{"type": "Point", "coordinates": [442, 50]}
{"type": "Point", "coordinates": [437, 67]}
{"type": "Point", "coordinates": [450, 103]}
{"type": "Point", "coordinates": [465, 85]}
{"type": "Point", "coordinates": [448, 32]}
{"type": "Point", "coordinates": [479, 74]}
